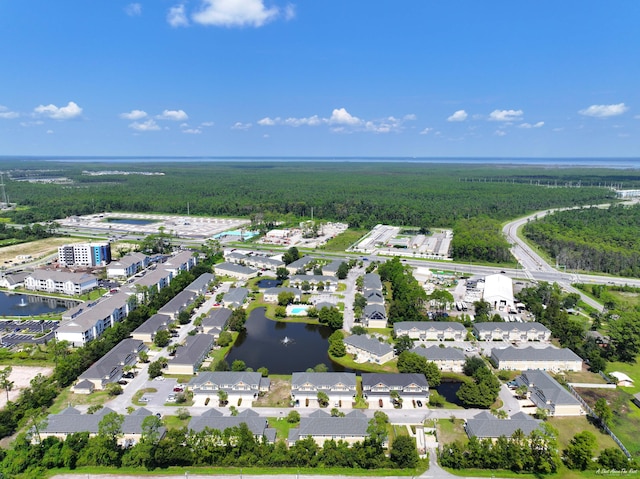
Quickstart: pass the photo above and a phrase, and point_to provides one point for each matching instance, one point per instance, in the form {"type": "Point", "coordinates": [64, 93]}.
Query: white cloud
{"type": "Point", "coordinates": [49, 132]}
{"type": "Point", "coordinates": [500, 133]}
{"type": "Point", "coordinates": [540, 124]}
{"type": "Point", "coordinates": [72, 110]}
{"type": "Point", "coordinates": [426, 131]}
{"type": "Point", "coordinates": [192, 131]}
{"type": "Point", "coordinates": [459, 115]}
{"type": "Point", "coordinates": [410, 117]}
{"type": "Point", "coordinates": [28, 124]}
{"type": "Point", "coordinates": [206, 123]}
{"type": "Point", "coordinates": [149, 125]}
{"type": "Point", "coordinates": [134, 115]}
{"type": "Point", "coordinates": [340, 116]}
{"type": "Point", "coordinates": [7, 114]}
{"type": "Point", "coordinates": [240, 126]}
{"type": "Point", "coordinates": [268, 121]}
{"type": "Point", "coordinates": [604, 111]}
{"type": "Point", "coordinates": [289, 12]}
{"type": "Point", "coordinates": [314, 120]}
{"type": "Point", "coordinates": [506, 115]}
{"type": "Point", "coordinates": [174, 115]}
{"type": "Point", "coordinates": [133, 9]}
{"type": "Point", "coordinates": [236, 13]}
{"type": "Point", "coordinates": [177, 17]}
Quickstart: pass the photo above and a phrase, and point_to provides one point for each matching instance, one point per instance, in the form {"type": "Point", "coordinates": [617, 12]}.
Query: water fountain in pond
{"type": "Point", "coordinates": [286, 340]}
{"type": "Point", "coordinates": [22, 302]}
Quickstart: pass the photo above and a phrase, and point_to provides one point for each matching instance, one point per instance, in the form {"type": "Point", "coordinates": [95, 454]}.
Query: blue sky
{"type": "Point", "coordinates": [320, 78]}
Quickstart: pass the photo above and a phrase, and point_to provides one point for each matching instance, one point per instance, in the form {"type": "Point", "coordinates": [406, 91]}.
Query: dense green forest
{"type": "Point", "coordinates": [362, 194]}
{"type": "Point", "coordinates": [591, 239]}
{"type": "Point", "coordinates": [479, 239]}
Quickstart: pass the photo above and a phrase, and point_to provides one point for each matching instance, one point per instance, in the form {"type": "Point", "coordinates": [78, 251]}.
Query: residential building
{"type": "Point", "coordinates": [375, 316]}
{"type": "Point", "coordinates": [447, 359]}
{"type": "Point", "coordinates": [12, 281]}
{"type": "Point", "coordinates": [372, 281]}
{"type": "Point", "coordinates": [321, 427]}
{"type": "Point", "coordinates": [548, 394]}
{"type": "Point", "coordinates": [178, 303]}
{"type": "Point", "coordinates": [529, 331]}
{"type": "Point", "coordinates": [487, 426]}
{"type": "Point", "coordinates": [431, 330]}
{"type": "Point", "coordinates": [63, 282]}
{"type": "Point", "coordinates": [216, 321]}
{"type": "Point", "coordinates": [89, 320]}
{"type": "Point", "coordinates": [201, 284]}
{"type": "Point", "coordinates": [215, 420]}
{"type": "Point", "coordinates": [71, 421]}
{"type": "Point", "coordinates": [182, 261]}
{"type": "Point", "coordinates": [368, 350]}
{"type": "Point", "coordinates": [409, 386]}
{"type": "Point", "coordinates": [337, 386]}
{"type": "Point", "coordinates": [110, 367]}
{"type": "Point", "coordinates": [329, 283]}
{"type": "Point", "coordinates": [235, 297]}
{"type": "Point", "coordinates": [147, 331]}
{"type": "Point", "coordinates": [190, 356]}
{"type": "Point", "coordinates": [299, 265]}
{"type": "Point", "coordinates": [235, 271]}
{"type": "Point", "coordinates": [128, 265]}
{"type": "Point", "coordinates": [271, 294]}
{"type": "Point", "coordinates": [546, 359]}
{"type": "Point", "coordinates": [238, 385]}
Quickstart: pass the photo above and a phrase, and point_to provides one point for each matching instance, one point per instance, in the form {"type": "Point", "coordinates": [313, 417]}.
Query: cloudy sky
{"type": "Point", "coordinates": [320, 78]}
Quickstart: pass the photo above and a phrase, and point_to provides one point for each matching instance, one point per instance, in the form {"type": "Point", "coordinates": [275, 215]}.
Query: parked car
{"type": "Point", "coordinates": [122, 382]}
{"type": "Point", "coordinates": [419, 403]}
{"type": "Point", "coordinates": [178, 389]}
{"type": "Point", "coordinates": [128, 375]}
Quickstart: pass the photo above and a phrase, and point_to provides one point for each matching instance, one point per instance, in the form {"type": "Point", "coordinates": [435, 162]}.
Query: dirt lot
{"type": "Point", "coordinates": [21, 377]}
{"type": "Point", "coordinates": [278, 396]}
{"type": "Point", "coordinates": [36, 249]}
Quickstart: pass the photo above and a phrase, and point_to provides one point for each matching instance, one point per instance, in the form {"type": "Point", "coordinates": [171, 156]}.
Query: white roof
{"type": "Point", "coordinates": [498, 287]}
{"type": "Point", "coordinates": [620, 376]}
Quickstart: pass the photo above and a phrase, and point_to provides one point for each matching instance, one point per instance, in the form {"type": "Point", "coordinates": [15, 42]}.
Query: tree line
{"type": "Point", "coordinates": [232, 447]}
{"type": "Point", "coordinates": [360, 194]}
{"type": "Point", "coordinates": [591, 239]}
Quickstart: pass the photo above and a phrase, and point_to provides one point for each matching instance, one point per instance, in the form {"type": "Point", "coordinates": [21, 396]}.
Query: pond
{"type": "Point", "coordinates": [131, 221]}
{"type": "Point", "coordinates": [283, 348]}
{"type": "Point", "coordinates": [268, 283]}
{"type": "Point", "coordinates": [448, 391]}
{"type": "Point", "coordinates": [31, 305]}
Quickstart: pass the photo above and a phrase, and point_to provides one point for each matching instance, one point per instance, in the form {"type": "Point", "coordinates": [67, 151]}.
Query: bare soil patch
{"type": "Point", "coordinates": [21, 377]}
{"type": "Point", "coordinates": [37, 249]}
{"type": "Point", "coordinates": [278, 395]}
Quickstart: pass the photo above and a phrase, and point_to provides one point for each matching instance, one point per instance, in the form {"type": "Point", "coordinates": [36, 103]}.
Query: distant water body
{"type": "Point", "coordinates": [617, 163]}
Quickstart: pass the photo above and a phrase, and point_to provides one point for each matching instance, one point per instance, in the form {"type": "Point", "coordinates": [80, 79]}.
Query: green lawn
{"type": "Point", "coordinates": [568, 427]}
{"type": "Point", "coordinates": [448, 431]}
{"type": "Point", "coordinates": [344, 240]}
{"type": "Point", "coordinates": [282, 426]}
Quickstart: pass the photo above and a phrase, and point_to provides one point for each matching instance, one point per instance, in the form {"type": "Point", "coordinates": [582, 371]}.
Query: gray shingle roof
{"type": "Point", "coordinates": [394, 380]}
{"type": "Point", "coordinates": [371, 345]}
{"type": "Point", "coordinates": [535, 354]}
{"type": "Point", "coordinates": [429, 325]}
{"type": "Point", "coordinates": [372, 281]}
{"type": "Point", "coordinates": [71, 421]}
{"type": "Point", "coordinates": [227, 380]}
{"type": "Point", "coordinates": [236, 296]}
{"type": "Point", "coordinates": [323, 381]}
{"type": "Point", "coordinates": [485, 425]}
{"type": "Point", "coordinates": [545, 390]}
{"type": "Point", "coordinates": [109, 367]}
{"type": "Point", "coordinates": [328, 427]}
{"type": "Point", "coordinates": [193, 350]}
{"type": "Point", "coordinates": [435, 353]}
{"type": "Point", "coordinates": [154, 324]}
{"type": "Point", "coordinates": [223, 268]}
{"type": "Point", "coordinates": [201, 283]}
{"type": "Point", "coordinates": [523, 327]}
{"type": "Point", "coordinates": [217, 318]}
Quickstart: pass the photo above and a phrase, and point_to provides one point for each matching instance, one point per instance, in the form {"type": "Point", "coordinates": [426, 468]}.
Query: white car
{"type": "Point", "coordinates": [159, 378]}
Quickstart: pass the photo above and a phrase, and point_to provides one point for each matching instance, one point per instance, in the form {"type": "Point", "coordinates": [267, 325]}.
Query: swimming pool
{"type": "Point", "coordinates": [298, 310]}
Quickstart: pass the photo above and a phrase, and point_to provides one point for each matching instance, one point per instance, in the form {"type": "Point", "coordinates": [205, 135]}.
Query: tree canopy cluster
{"type": "Point", "coordinates": [591, 239]}
{"type": "Point", "coordinates": [479, 239]}
{"type": "Point", "coordinates": [407, 296]}
{"type": "Point", "coordinates": [484, 388]}
{"type": "Point", "coordinates": [536, 453]}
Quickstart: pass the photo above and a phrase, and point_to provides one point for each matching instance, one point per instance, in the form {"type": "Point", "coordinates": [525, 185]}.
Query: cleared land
{"type": "Point", "coordinates": [21, 377]}
{"type": "Point", "coordinates": [37, 249]}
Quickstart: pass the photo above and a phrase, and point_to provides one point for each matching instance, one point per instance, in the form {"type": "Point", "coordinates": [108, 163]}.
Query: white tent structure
{"type": "Point", "coordinates": [498, 292]}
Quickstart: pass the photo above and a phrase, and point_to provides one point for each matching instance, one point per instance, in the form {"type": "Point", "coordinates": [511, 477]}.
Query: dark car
{"type": "Point", "coordinates": [178, 389]}
{"type": "Point", "coordinates": [122, 382]}
{"type": "Point", "coordinates": [419, 403]}
{"type": "Point", "coordinates": [128, 375]}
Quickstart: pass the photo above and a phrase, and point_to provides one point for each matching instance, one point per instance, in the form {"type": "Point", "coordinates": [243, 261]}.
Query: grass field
{"type": "Point", "coordinates": [448, 431]}
{"type": "Point", "coordinates": [568, 427]}
{"type": "Point", "coordinates": [344, 240]}
{"type": "Point", "coordinates": [37, 249]}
